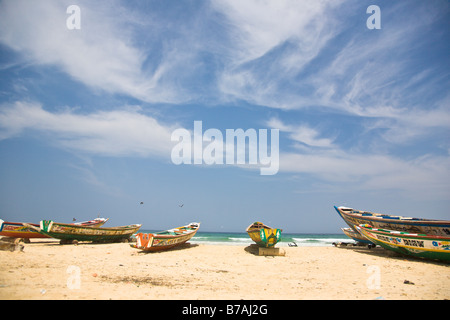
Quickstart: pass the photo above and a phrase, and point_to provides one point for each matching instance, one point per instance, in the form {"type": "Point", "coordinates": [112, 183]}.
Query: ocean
{"type": "Point", "coordinates": [243, 239]}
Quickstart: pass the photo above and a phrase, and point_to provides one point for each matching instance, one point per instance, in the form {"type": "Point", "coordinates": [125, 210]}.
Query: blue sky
{"type": "Point", "coordinates": [86, 115]}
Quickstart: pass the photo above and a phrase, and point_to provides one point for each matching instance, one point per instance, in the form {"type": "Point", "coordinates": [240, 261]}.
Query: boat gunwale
{"type": "Point", "coordinates": [398, 220]}
{"type": "Point", "coordinates": [119, 228]}
{"type": "Point", "coordinates": [251, 227]}
{"type": "Point", "coordinates": [159, 235]}
{"type": "Point", "coordinates": [407, 235]}
{"type": "Point", "coordinates": [82, 223]}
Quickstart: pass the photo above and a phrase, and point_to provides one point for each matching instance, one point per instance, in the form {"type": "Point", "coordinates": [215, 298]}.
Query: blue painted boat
{"type": "Point", "coordinates": [397, 223]}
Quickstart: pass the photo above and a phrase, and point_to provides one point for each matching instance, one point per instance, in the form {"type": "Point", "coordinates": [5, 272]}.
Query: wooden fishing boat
{"type": "Point", "coordinates": [18, 230]}
{"type": "Point", "coordinates": [71, 232]}
{"type": "Point", "coordinates": [349, 232]}
{"type": "Point", "coordinates": [167, 239]}
{"type": "Point", "coordinates": [397, 223]}
{"type": "Point", "coordinates": [263, 235]}
{"type": "Point", "coordinates": [413, 244]}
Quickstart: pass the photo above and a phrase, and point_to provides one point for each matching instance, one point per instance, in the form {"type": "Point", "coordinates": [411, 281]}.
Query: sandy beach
{"type": "Point", "coordinates": [47, 270]}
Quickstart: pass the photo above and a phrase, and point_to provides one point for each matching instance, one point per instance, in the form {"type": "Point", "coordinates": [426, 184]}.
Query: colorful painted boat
{"type": "Point", "coordinates": [18, 230]}
{"type": "Point", "coordinates": [263, 235]}
{"type": "Point", "coordinates": [413, 244]}
{"type": "Point", "coordinates": [70, 232]}
{"type": "Point", "coordinates": [397, 223]}
{"type": "Point", "coordinates": [167, 239]}
{"type": "Point", "coordinates": [349, 232]}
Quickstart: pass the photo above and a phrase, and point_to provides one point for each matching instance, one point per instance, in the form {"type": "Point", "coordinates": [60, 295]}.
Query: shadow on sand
{"type": "Point", "coordinates": [381, 252]}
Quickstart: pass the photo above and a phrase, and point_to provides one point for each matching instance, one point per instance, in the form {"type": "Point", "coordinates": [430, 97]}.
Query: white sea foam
{"type": "Point", "coordinates": [243, 239]}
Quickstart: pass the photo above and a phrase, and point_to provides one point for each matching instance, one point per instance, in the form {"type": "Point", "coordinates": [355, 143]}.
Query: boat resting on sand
{"type": "Point", "coordinates": [68, 233]}
{"type": "Point", "coordinates": [263, 235]}
{"type": "Point", "coordinates": [397, 223]}
{"type": "Point", "coordinates": [417, 245]}
{"type": "Point", "coordinates": [18, 230]}
{"type": "Point", "coordinates": [167, 239]}
{"type": "Point", "coordinates": [349, 232]}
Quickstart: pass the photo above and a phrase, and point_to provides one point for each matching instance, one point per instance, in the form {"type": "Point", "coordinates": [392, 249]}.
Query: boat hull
{"type": "Point", "coordinates": [417, 245]}
{"type": "Point", "coordinates": [71, 232]}
{"type": "Point", "coordinates": [165, 240]}
{"type": "Point", "coordinates": [397, 223]}
{"type": "Point", "coordinates": [264, 236]}
{"type": "Point", "coordinates": [18, 230]}
{"type": "Point", "coordinates": [349, 232]}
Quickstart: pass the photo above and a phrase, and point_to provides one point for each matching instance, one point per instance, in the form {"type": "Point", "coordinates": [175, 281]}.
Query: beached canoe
{"type": "Point", "coordinates": [70, 232]}
{"type": "Point", "coordinates": [413, 244]}
{"type": "Point", "coordinates": [349, 232]}
{"type": "Point", "coordinates": [18, 230]}
{"type": "Point", "coordinates": [263, 235]}
{"type": "Point", "coordinates": [398, 223]}
{"type": "Point", "coordinates": [167, 239]}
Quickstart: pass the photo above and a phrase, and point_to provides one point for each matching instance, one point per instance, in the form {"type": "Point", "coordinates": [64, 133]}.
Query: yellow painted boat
{"type": "Point", "coordinates": [263, 235]}
{"type": "Point", "coordinates": [68, 233]}
{"type": "Point", "coordinates": [18, 230]}
{"type": "Point", "coordinates": [413, 244]}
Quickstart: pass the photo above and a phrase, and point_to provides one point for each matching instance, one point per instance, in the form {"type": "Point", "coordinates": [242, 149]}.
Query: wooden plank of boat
{"type": "Point", "coordinates": [413, 244]}
{"type": "Point", "coordinates": [18, 230]}
{"type": "Point", "coordinates": [397, 223]}
{"type": "Point", "coordinates": [70, 232]}
{"type": "Point", "coordinates": [263, 235]}
{"type": "Point", "coordinates": [349, 232]}
{"type": "Point", "coordinates": [167, 239]}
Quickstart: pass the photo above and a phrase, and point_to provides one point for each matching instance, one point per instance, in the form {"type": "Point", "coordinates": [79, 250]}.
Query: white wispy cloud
{"type": "Point", "coordinates": [285, 55]}
{"type": "Point", "coordinates": [125, 132]}
{"type": "Point", "coordinates": [259, 26]}
{"type": "Point", "coordinates": [270, 42]}
{"type": "Point", "coordinates": [425, 177]}
{"type": "Point", "coordinates": [324, 159]}
{"type": "Point", "coordinates": [301, 133]}
{"type": "Point", "coordinates": [387, 75]}
{"type": "Point", "coordinates": [260, 51]}
{"type": "Point", "coordinates": [379, 74]}
{"type": "Point", "coordinates": [102, 54]}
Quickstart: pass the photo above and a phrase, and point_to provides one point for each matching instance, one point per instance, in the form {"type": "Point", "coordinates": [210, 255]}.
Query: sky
{"type": "Point", "coordinates": [91, 93]}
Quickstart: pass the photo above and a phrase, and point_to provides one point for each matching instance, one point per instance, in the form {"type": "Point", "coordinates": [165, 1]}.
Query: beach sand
{"type": "Point", "coordinates": [48, 270]}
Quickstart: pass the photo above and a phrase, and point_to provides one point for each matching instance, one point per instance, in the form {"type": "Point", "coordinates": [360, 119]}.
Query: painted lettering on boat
{"type": "Point", "coordinates": [414, 243]}
{"type": "Point", "coordinates": [383, 238]}
{"type": "Point", "coordinates": [407, 242]}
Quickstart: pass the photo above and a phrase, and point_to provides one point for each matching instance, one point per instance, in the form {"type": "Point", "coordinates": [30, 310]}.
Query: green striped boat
{"type": "Point", "coordinates": [263, 235]}
{"type": "Point", "coordinates": [70, 232]}
{"type": "Point", "coordinates": [417, 245]}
